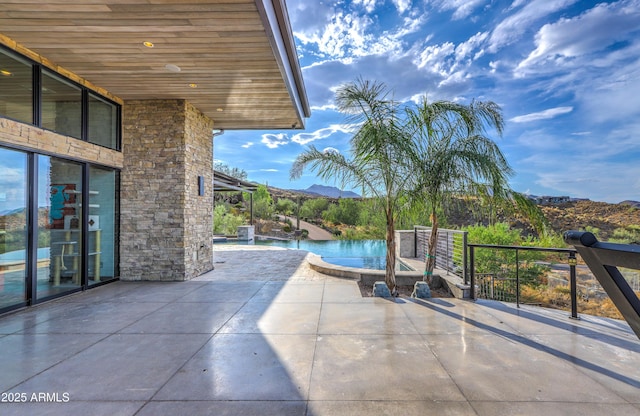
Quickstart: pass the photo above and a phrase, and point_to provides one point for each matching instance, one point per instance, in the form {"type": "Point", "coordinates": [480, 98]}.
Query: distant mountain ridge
{"type": "Point", "coordinates": [634, 204]}
{"type": "Point", "coordinates": [328, 191]}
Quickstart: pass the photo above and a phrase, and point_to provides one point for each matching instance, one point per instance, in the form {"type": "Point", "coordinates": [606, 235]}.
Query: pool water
{"type": "Point", "coordinates": [364, 254]}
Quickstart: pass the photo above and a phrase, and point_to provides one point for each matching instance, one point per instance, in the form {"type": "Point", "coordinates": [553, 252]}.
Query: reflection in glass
{"type": "Point", "coordinates": [13, 227]}
{"type": "Point", "coordinates": [61, 106]}
{"type": "Point", "coordinates": [15, 88]}
{"type": "Point", "coordinates": [103, 122]}
{"type": "Point", "coordinates": [102, 225]}
{"type": "Point", "coordinates": [59, 225]}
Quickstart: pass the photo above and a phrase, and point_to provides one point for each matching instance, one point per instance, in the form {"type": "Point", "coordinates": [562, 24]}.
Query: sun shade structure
{"type": "Point", "coordinates": [233, 60]}
{"type": "Point", "coordinates": [226, 183]}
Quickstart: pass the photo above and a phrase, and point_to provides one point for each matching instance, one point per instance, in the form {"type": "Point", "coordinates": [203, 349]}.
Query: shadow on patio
{"type": "Point", "coordinates": [264, 334]}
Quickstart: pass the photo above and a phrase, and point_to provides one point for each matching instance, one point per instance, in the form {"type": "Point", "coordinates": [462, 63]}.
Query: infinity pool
{"type": "Point", "coordinates": [364, 254]}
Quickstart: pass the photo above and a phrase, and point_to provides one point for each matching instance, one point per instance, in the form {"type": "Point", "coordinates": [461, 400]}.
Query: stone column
{"type": "Point", "coordinates": [166, 225]}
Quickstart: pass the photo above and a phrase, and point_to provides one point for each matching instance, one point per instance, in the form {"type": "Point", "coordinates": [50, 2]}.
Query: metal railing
{"type": "Point", "coordinates": [504, 283]}
{"type": "Point", "coordinates": [451, 249]}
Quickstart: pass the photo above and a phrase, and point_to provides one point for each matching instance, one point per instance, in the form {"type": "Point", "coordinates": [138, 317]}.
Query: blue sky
{"type": "Point", "coordinates": [566, 74]}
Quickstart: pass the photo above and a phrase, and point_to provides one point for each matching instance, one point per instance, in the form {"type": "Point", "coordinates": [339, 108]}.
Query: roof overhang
{"type": "Point", "coordinates": [234, 60]}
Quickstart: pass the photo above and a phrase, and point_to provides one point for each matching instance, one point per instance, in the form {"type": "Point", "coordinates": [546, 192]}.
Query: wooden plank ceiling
{"type": "Point", "coordinates": [228, 67]}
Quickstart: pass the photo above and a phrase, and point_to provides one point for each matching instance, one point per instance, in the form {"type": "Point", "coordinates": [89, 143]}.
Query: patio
{"type": "Point", "coordinates": [263, 334]}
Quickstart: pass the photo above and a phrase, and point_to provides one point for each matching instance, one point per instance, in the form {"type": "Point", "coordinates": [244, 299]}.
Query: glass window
{"type": "Point", "coordinates": [13, 228]}
{"type": "Point", "coordinates": [59, 225]}
{"type": "Point", "coordinates": [61, 106]}
{"type": "Point", "coordinates": [102, 227]}
{"type": "Point", "coordinates": [16, 100]}
{"type": "Point", "coordinates": [103, 122]}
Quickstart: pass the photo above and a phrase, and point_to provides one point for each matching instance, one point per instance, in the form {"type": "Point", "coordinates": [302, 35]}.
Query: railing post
{"type": "Point", "coordinates": [472, 291]}
{"type": "Point", "coordinates": [574, 285]}
{"type": "Point", "coordinates": [517, 280]}
{"type": "Point", "coordinates": [465, 270]}
{"type": "Point", "coordinates": [449, 257]}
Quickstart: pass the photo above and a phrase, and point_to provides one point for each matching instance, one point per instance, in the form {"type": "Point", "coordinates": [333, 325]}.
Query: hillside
{"type": "Point", "coordinates": [575, 215]}
{"type": "Point", "coordinates": [581, 214]}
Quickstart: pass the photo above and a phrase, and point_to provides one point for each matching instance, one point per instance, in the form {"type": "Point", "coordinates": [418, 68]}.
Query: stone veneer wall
{"type": "Point", "coordinates": [198, 212]}
{"type": "Point", "coordinates": [45, 141]}
{"type": "Point", "coordinates": [166, 228]}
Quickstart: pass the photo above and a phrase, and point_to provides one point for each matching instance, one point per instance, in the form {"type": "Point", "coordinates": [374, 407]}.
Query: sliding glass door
{"type": "Point", "coordinates": [60, 225]}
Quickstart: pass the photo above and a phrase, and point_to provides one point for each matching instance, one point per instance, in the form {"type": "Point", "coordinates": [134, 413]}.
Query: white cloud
{"type": "Point", "coordinates": [273, 141]}
{"type": "Point", "coordinates": [369, 5]}
{"type": "Point", "coordinates": [402, 5]}
{"type": "Point", "coordinates": [494, 65]}
{"type": "Point", "coordinates": [447, 66]}
{"type": "Point", "coordinates": [516, 4]}
{"type": "Point", "coordinates": [325, 107]}
{"type": "Point", "coordinates": [542, 115]}
{"type": "Point", "coordinates": [456, 79]}
{"type": "Point", "coordinates": [410, 25]}
{"type": "Point", "coordinates": [436, 58]}
{"type": "Point", "coordinates": [593, 31]}
{"type": "Point", "coordinates": [269, 170]}
{"type": "Point", "coordinates": [514, 26]}
{"type": "Point", "coordinates": [348, 34]}
{"type": "Point", "coordinates": [344, 35]}
{"type": "Point", "coordinates": [305, 138]}
{"type": "Point", "coordinates": [330, 150]}
{"type": "Point", "coordinates": [462, 8]}
{"type": "Point", "coordinates": [247, 145]}
{"type": "Point", "coordinates": [466, 49]}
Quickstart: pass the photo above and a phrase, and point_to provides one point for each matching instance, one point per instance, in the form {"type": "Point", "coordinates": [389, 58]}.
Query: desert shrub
{"type": "Point", "coordinates": [559, 297]}
{"type": "Point", "coordinates": [347, 211]}
{"type": "Point", "coordinates": [627, 235]}
{"type": "Point", "coordinates": [285, 206]}
{"type": "Point", "coordinates": [226, 222]}
{"type": "Point", "coordinates": [362, 233]}
{"type": "Point", "coordinates": [313, 208]}
{"type": "Point", "coordinates": [502, 262]}
{"type": "Point", "coordinates": [263, 206]}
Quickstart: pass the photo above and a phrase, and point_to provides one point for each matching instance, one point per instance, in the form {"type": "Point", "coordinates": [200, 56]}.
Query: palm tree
{"type": "Point", "coordinates": [377, 147]}
{"type": "Point", "coordinates": [452, 155]}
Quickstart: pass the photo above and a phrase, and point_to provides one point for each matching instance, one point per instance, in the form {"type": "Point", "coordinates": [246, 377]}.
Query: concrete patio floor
{"type": "Point", "coordinates": [263, 334]}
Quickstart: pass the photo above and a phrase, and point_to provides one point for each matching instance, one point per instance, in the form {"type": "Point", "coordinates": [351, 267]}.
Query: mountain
{"type": "Point", "coordinates": [634, 204]}
{"type": "Point", "coordinates": [328, 191]}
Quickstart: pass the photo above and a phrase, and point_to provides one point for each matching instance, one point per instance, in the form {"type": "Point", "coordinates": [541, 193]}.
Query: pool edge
{"type": "Point", "coordinates": [367, 276]}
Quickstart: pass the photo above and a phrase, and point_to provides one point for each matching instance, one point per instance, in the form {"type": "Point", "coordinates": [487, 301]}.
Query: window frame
{"type": "Point", "coordinates": [38, 70]}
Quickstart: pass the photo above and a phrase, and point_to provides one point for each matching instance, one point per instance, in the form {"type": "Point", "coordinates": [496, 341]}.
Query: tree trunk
{"type": "Point", "coordinates": [430, 261]}
{"type": "Point", "coordinates": [390, 271]}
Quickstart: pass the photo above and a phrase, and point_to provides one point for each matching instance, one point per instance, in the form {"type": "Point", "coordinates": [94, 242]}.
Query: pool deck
{"type": "Point", "coordinates": [264, 334]}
